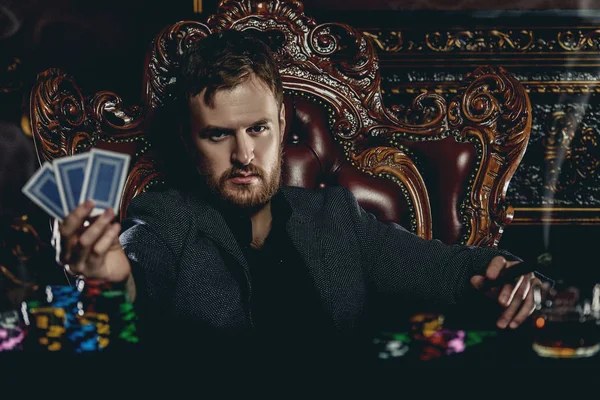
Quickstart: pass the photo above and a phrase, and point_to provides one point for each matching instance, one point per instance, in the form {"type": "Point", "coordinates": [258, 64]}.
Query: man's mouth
{"type": "Point", "coordinates": [244, 179]}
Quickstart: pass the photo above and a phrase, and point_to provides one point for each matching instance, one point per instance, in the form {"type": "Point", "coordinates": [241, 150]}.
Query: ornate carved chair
{"type": "Point", "coordinates": [441, 169]}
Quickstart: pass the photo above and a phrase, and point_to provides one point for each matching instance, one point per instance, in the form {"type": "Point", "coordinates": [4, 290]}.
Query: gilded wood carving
{"type": "Point", "coordinates": [494, 110]}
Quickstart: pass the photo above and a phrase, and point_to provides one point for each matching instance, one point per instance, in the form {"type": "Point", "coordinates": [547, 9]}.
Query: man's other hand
{"type": "Point", "coordinates": [515, 296]}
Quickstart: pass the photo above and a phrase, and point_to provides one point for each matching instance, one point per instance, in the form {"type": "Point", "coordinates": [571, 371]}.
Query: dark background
{"type": "Point", "coordinates": [103, 43]}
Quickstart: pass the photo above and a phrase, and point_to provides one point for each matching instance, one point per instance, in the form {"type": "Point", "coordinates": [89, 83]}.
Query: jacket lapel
{"type": "Point", "coordinates": [306, 237]}
{"type": "Point", "coordinates": [213, 224]}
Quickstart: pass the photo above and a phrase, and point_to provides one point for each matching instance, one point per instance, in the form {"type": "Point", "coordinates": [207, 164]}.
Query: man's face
{"type": "Point", "coordinates": [239, 142]}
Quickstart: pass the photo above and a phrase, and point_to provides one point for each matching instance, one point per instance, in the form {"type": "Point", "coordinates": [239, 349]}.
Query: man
{"type": "Point", "coordinates": [237, 255]}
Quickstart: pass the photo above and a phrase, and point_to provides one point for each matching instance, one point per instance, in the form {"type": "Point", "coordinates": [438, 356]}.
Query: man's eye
{"type": "Point", "coordinates": [257, 129]}
{"type": "Point", "coordinates": [216, 136]}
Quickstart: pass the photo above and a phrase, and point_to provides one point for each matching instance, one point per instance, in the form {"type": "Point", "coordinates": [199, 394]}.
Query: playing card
{"type": "Point", "coordinates": [70, 172]}
{"type": "Point", "coordinates": [42, 189]}
{"type": "Point", "coordinates": [105, 179]}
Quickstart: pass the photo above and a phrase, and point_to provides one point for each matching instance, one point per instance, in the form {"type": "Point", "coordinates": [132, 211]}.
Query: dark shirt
{"type": "Point", "coordinates": [284, 301]}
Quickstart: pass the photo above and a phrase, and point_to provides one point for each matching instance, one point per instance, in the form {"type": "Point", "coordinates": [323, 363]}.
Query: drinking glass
{"type": "Point", "coordinates": [566, 321]}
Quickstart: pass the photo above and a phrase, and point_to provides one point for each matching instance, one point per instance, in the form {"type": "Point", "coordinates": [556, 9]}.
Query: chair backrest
{"type": "Point", "coordinates": [441, 169]}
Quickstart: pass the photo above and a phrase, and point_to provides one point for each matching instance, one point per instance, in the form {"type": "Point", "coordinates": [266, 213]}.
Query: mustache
{"type": "Point", "coordinates": [249, 169]}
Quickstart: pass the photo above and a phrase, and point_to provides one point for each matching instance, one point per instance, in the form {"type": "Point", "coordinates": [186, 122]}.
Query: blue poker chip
{"type": "Point", "coordinates": [80, 330]}
{"type": "Point", "coordinates": [58, 295]}
{"type": "Point", "coordinates": [87, 345]}
{"type": "Point", "coordinates": [83, 338]}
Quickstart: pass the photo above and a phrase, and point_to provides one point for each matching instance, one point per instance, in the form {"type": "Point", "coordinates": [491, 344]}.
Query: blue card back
{"type": "Point", "coordinates": [105, 179]}
{"type": "Point", "coordinates": [43, 190]}
{"type": "Point", "coordinates": [70, 173]}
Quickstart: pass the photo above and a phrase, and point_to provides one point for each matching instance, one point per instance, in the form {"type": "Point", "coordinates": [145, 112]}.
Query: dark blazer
{"type": "Point", "coordinates": [188, 266]}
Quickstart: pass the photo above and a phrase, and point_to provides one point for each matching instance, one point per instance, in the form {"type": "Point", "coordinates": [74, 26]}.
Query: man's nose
{"type": "Point", "coordinates": [243, 153]}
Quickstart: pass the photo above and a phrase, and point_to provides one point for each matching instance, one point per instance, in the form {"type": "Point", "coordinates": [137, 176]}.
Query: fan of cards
{"type": "Point", "coordinates": [97, 175]}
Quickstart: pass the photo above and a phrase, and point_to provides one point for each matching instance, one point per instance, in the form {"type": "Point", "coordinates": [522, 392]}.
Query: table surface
{"type": "Point", "coordinates": [486, 346]}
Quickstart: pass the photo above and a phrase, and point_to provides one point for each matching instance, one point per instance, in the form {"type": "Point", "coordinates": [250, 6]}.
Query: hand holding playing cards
{"type": "Point", "coordinates": [93, 251]}
{"type": "Point", "coordinates": [82, 191]}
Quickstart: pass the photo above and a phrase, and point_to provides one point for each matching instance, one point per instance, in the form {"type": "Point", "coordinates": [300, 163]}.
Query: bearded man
{"type": "Point", "coordinates": [238, 254]}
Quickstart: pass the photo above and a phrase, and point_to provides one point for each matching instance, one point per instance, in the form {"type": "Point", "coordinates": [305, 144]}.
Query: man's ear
{"type": "Point", "coordinates": [282, 121]}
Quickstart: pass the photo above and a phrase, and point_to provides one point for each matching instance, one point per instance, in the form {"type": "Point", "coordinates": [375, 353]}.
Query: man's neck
{"type": "Point", "coordinates": [261, 218]}
{"type": "Point", "coordinates": [261, 225]}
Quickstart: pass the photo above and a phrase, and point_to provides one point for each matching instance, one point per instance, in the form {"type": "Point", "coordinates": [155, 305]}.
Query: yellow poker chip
{"type": "Point", "coordinates": [427, 318]}
{"type": "Point", "coordinates": [47, 317]}
{"type": "Point", "coordinates": [55, 346]}
{"type": "Point", "coordinates": [101, 322]}
{"type": "Point", "coordinates": [429, 332]}
{"type": "Point", "coordinates": [103, 329]}
{"type": "Point", "coordinates": [90, 317]}
{"type": "Point", "coordinates": [55, 331]}
{"type": "Point", "coordinates": [419, 318]}
{"type": "Point", "coordinates": [433, 325]}
{"type": "Point", "coordinates": [57, 312]}
{"type": "Point", "coordinates": [426, 324]}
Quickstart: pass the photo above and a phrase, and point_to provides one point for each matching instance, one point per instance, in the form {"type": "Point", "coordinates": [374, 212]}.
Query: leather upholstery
{"type": "Point", "coordinates": [446, 166]}
{"type": "Point", "coordinates": [312, 158]}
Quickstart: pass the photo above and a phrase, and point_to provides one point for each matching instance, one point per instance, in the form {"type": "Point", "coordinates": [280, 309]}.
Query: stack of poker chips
{"type": "Point", "coordinates": [87, 317]}
{"type": "Point", "coordinates": [52, 321]}
{"type": "Point", "coordinates": [11, 331]}
{"type": "Point", "coordinates": [435, 341]}
{"type": "Point", "coordinates": [128, 332]}
{"type": "Point", "coordinates": [109, 308]}
{"type": "Point", "coordinates": [391, 345]}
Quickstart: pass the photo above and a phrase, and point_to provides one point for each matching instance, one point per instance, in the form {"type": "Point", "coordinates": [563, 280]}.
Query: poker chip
{"type": "Point", "coordinates": [391, 348]}
{"type": "Point", "coordinates": [48, 327]}
{"type": "Point", "coordinates": [128, 332]}
{"type": "Point", "coordinates": [99, 323]}
{"type": "Point", "coordinates": [11, 339]}
{"type": "Point", "coordinates": [424, 325]}
{"type": "Point", "coordinates": [9, 319]}
{"type": "Point", "coordinates": [432, 339]}
{"type": "Point", "coordinates": [83, 337]}
{"type": "Point", "coordinates": [67, 298]}
{"type": "Point", "coordinates": [11, 331]}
